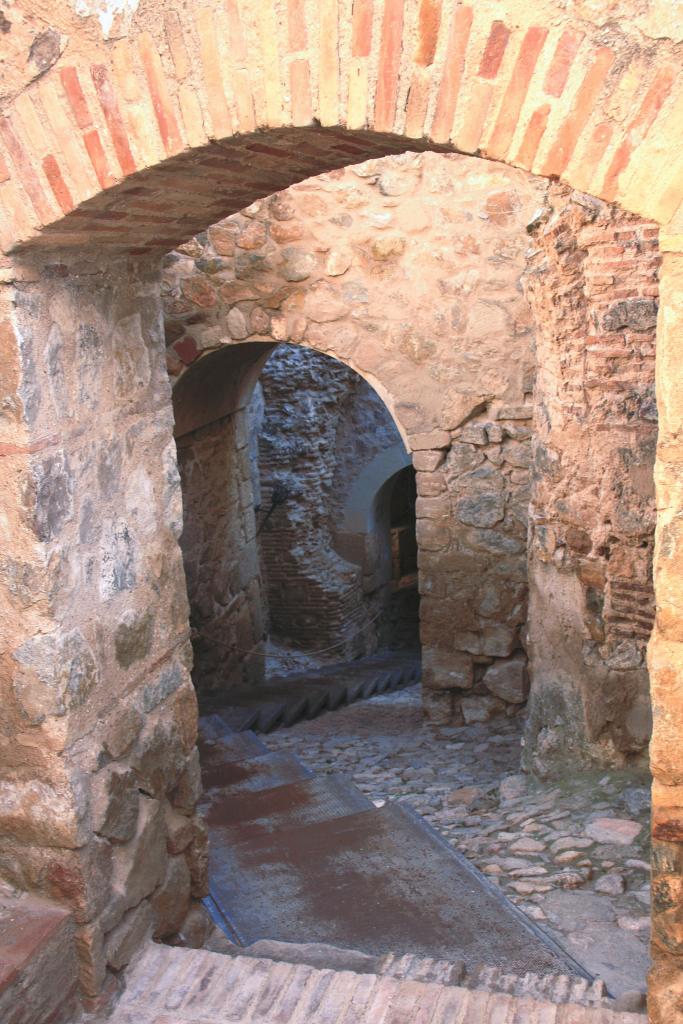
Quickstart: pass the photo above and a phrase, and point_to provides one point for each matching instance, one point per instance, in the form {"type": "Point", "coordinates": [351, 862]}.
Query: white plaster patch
{"type": "Point", "coordinates": [106, 11]}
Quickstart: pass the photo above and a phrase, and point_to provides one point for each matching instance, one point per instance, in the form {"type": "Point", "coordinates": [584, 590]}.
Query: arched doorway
{"type": "Point", "coordinates": [555, 118]}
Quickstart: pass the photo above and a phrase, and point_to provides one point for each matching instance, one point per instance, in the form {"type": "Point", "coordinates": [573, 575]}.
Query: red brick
{"type": "Point", "coordinates": [57, 184]}
{"type": "Point", "coordinates": [300, 87]}
{"type": "Point", "coordinates": [475, 117]}
{"type": "Point", "coordinates": [98, 158]}
{"type": "Point", "coordinates": [186, 349]}
{"type": "Point", "coordinates": [389, 64]}
{"type": "Point", "coordinates": [532, 136]}
{"type": "Point", "coordinates": [416, 106]}
{"type": "Point", "coordinates": [361, 28]}
{"type": "Point", "coordinates": [449, 89]}
{"type": "Point", "coordinates": [219, 113]}
{"type": "Point", "coordinates": [515, 94]}
{"type": "Point", "coordinates": [582, 108]}
{"type": "Point", "coordinates": [429, 20]}
{"type": "Point", "coordinates": [4, 171]}
{"type": "Point", "coordinates": [595, 150]}
{"type": "Point", "coordinates": [296, 19]}
{"type": "Point", "coordinates": [653, 101]}
{"type": "Point", "coordinates": [237, 43]}
{"type": "Point", "coordinates": [176, 45]}
{"type": "Point", "coordinates": [74, 94]}
{"type": "Point", "coordinates": [618, 165]}
{"type": "Point", "coordinates": [495, 50]}
{"type": "Point", "coordinates": [112, 116]}
{"type": "Point", "coordinates": [641, 124]}
{"type": "Point", "coordinates": [158, 91]}
{"type": "Point", "coordinates": [27, 174]}
{"type": "Point", "coordinates": [563, 58]}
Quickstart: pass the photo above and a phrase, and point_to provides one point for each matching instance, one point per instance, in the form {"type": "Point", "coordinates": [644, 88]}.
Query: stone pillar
{"type": "Point", "coordinates": [100, 769]}
{"type": "Point", "coordinates": [471, 528]}
{"type": "Point", "coordinates": [592, 284]}
{"type": "Point", "coordinates": [221, 555]}
{"type": "Point", "coordinates": [665, 656]}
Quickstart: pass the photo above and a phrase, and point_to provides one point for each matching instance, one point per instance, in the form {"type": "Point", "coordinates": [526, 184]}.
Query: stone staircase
{"type": "Point", "coordinates": [284, 700]}
{"type": "Point", "coordinates": [181, 986]}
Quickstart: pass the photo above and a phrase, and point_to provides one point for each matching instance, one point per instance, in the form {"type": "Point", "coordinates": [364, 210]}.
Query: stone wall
{"type": "Point", "coordinates": [224, 585]}
{"type": "Point", "coordinates": [322, 424]}
{"type": "Point", "coordinates": [100, 774]}
{"type": "Point", "coordinates": [408, 270]}
{"type": "Point", "coordinates": [592, 283]}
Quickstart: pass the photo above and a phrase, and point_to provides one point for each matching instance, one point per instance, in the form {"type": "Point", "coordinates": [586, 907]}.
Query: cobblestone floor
{"type": "Point", "coordinates": [573, 855]}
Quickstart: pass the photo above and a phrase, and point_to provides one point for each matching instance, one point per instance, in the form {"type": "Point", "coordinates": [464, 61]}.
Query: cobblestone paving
{"type": "Point", "coordinates": [572, 854]}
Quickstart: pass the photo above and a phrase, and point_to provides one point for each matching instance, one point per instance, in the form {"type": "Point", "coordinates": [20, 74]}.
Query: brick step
{"type": "Point", "coordinates": [554, 988]}
{"type": "Point", "coordinates": [38, 972]}
{"type": "Point", "coordinates": [182, 986]}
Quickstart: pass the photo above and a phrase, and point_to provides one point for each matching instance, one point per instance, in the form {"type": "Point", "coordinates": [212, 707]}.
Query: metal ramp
{"type": "Point", "coordinates": [301, 859]}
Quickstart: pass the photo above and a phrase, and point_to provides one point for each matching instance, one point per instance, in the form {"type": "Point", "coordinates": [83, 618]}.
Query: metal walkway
{"type": "Point", "coordinates": [304, 859]}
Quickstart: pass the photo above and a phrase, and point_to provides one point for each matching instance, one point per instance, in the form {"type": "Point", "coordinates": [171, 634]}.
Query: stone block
{"type": "Point", "coordinates": [171, 900]}
{"type": "Point", "coordinates": [140, 864]}
{"type": "Point", "coordinates": [480, 709]}
{"type": "Point", "coordinates": [428, 462]}
{"type": "Point", "coordinates": [484, 510]}
{"type": "Point", "coordinates": [429, 440]}
{"type": "Point", "coordinates": [508, 680]}
{"type": "Point", "coordinates": [433, 508]}
{"type": "Point", "coordinates": [121, 730]}
{"type": "Point", "coordinates": [431, 535]}
{"type": "Point", "coordinates": [92, 960]}
{"type": "Point", "coordinates": [437, 706]}
{"type": "Point", "coordinates": [129, 935]}
{"type": "Point", "coordinates": [189, 787]}
{"type": "Point", "coordinates": [114, 802]}
{"type": "Point", "coordinates": [197, 854]}
{"type": "Point", "coordinates": [196, 927]}
{"type": "Point", "coordinates": [446, 670]}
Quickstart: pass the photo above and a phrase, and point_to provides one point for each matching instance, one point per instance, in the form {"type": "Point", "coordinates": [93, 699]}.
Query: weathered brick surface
{"type": "Point", "coordinates": [592, 282]}
{"type": "Point", "coordinates": [178, 986]}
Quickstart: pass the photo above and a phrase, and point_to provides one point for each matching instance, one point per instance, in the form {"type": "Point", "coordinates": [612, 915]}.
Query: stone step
{"type": "Point", "coordinates": [284, 700]}
{"type": "Point", "coordinates": [38, 971]}
{"type": "Point", "coordinates": [181, 986]}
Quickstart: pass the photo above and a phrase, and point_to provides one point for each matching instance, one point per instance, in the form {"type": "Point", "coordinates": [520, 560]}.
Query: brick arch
{"type": "Point", "coordinates": [143, 140]}
{"type": "Point", "coordinates": [140, 141]}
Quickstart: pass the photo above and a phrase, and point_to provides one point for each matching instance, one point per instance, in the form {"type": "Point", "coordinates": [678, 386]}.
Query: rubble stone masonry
{"type": "Point", "coordinates": [408, 270]}
{"type": "Point", "coordinates": [593, 285]}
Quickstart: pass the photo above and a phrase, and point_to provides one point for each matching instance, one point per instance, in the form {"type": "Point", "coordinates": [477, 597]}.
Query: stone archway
{"type": "Point", "coordinates": [94, 148]}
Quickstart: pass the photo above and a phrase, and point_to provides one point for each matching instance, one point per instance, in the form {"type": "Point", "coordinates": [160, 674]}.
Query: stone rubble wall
{"type": "Point", "coordinates": [100, 773]}
{"type": "Point", "coordinates": [322, 423]}
{"type": "Point", "coordinates": [224, 582]}
{"type": "Point", "coordinates": [408, 270]}
{"type": "Point", "coordinates": [593, 285]}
